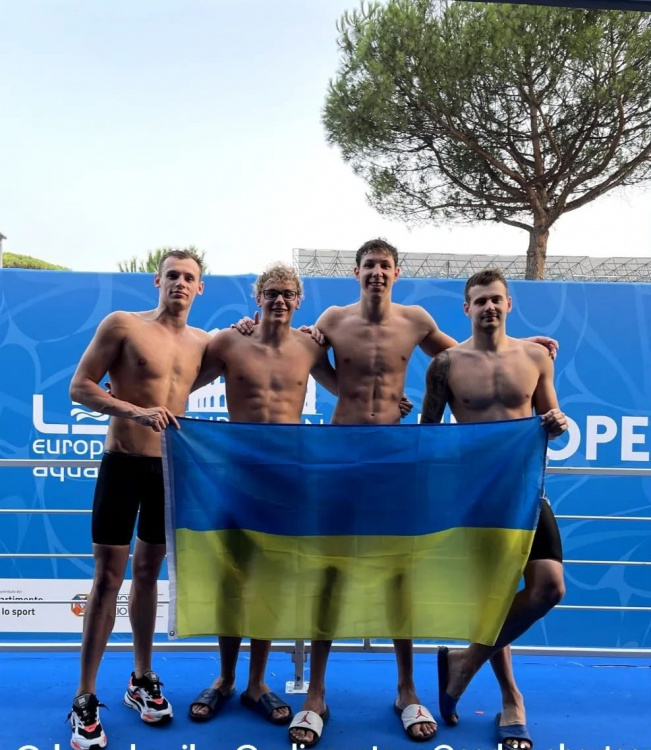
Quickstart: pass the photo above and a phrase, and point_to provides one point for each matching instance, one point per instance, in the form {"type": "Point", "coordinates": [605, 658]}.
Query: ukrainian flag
{"type": "Point", "coordinates": [300, 531]}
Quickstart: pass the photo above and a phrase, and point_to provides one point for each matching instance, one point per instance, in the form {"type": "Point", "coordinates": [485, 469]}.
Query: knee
{"type": "Point", "coordinates": [145, 572]}
{"type": "Point", "coordinates": [108, 581]}
{"type": "Point", "coordinates": [547, 594]}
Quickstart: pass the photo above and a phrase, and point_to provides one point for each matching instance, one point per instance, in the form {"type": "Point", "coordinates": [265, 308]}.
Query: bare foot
{"type": "Point", "coordinates": [459, 676]}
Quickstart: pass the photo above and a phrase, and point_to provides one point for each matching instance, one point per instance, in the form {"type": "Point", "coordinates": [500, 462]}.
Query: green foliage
{"type": "Point", "coordinates": [15, 260]}
{"type": "Point", "coordinates": [152, 260]}
{"type": "Point", "coordinates": [457, 111]}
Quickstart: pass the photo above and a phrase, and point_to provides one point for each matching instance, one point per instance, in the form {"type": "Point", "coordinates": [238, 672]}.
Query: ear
{"type": "Point", "coordinates": [466, 309]}
{"type": "Point", "coordinates": [157, 280]}
{"type": "Point", "coordinates": [397, 273]}
{"type": "Point", "coordinates": [356, 272]}
{"type": "Point", "coordinates": [509, 304]}
{"type": "Point", "coordinates": [201, 288]}
{"type": "Point", "coordinates": [258, 300]}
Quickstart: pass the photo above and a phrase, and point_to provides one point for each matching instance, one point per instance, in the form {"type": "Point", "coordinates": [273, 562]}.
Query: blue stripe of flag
{"type": "Point", "coordinates": [311, 480]}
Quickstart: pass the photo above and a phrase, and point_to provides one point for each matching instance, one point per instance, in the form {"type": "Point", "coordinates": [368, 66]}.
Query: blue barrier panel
{"type": "Point", "coordinates": [603, 377]}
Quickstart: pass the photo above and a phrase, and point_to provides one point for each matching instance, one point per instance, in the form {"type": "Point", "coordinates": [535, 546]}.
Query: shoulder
{"type": "Point", "coordinates": [438, 370]}
{"type": "Point", "coordinates": [443, 359]}
{"type": "Point", "coordinates": [462, 348]}
{"type": "Point", "coordinates": [306, 343]}
{"type": "Point", "coordinates": [333, 316]}
{"type": "Point", "coordinates": [336, 312]}
{"type": "Point", "coordinates": [199, 334]}
{"type": "Point", "coordinates": [535, 352]}
{"type": "Point", "coordinates": [198, 339]}
{"type": "Point", "coordinates": [119, 322]}
{"type": "Point", "coordinates": [412, 311]}
{"type": "Point", "coordinates": [224, 339]}
{"type": "Point", "coordinates": [415, 314]}
{"type": "Point", "coordinates": [301, 338]}
{"type": "Point", "coordinates": [456, 354]}
{"type": "Point", "coordinates": [123, 318]}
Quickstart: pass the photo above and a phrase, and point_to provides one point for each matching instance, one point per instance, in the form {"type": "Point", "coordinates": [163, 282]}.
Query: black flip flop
{"type": "Point", "coordinates": [266, 705]}
{"type": "Point", "coordinates": [447, 704]}
{"type": "Point", "coordinates": [213, 699]}
{"type": "Point", "coordinates": [511, 735]}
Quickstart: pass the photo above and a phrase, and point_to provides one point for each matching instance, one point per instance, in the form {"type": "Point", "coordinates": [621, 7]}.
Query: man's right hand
{"type": "Point", "coordinates": [245, 325]}
{"type": "Point", "coordinates": [157, 418]}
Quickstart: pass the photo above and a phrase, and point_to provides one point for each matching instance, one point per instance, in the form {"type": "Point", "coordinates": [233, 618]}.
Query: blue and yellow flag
{"type": "Point", "coordinates": [332, 531]}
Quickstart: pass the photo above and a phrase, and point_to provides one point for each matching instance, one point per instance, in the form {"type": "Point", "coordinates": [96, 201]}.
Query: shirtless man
{"type": "Point", "coordinates": [372, 341]}
{"type": "Point", "coordinates": [266, 380]}
{"type": "Point", "coordinates": [152, 359]}
{"type": "Point", "coordinates": [492, 377]}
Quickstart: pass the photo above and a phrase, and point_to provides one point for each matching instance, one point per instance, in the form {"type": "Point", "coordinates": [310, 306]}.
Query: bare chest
{"type": "Point", "coordinates": [480, 382]}
{"type": "Point", "coordinates": [368, 349]}
{"type": "Point", "coordinates": [283, 371]}
{"type": "Point", "coordinates": [154, 355]}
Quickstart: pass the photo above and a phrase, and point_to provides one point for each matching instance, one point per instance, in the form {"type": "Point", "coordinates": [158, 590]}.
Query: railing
{"type": "Point", "coordinates": [300, 649]}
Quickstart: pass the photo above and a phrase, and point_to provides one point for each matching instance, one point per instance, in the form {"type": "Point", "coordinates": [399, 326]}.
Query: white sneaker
{"type": "Point", "coordinates": [144, 695]}
{"type": "Point", "coordinates": [87, 732]}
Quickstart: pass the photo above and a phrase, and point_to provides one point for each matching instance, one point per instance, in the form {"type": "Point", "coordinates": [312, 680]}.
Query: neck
{"type": "Point", "coordinates": [375, 310]}
{"type": "Point", "coordinates": [490, 341]}
{"type": "Point", "coordinates": [273, 332]}
{"type": "Point", "coordinates": [172, 318]}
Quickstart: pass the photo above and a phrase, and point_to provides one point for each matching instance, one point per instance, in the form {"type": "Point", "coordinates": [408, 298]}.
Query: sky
{"type": "Point", "coordinates": [127, 126]}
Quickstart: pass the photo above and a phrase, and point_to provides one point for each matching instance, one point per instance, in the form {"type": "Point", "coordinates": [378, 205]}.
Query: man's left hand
{"type": "Point", "coordinates": [315, 333]}
{"type": "Point", "coordinates": [555, 422]}
{"type": "Point", "coordinates": [550, 344]}
{"type": "Point", "coordinates": [405, 406]}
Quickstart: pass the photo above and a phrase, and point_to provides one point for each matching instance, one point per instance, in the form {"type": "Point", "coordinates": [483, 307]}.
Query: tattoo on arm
{"type": "Point", "coordinates": [437, 393]}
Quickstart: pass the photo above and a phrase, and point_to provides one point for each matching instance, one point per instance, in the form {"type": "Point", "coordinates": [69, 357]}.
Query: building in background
{"type": "Point", "coordinates": [211, 399]}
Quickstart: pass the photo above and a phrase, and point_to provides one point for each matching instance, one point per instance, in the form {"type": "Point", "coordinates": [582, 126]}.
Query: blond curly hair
{"type": "Point", "coordinates": [278, 272]}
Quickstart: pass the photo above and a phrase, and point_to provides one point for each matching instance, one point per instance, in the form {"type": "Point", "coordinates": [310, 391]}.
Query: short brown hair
{"type": "Point", "coordinates": [181, 254]}
{"type": "Point", "coordinates": [484, 278]}
{"type": "Point", "coordinates": [376, 246]}
{"type": "Point", "coordinates": [278, 272]}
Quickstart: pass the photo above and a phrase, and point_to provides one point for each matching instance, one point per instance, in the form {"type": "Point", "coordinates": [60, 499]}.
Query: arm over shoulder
{"type": "Point", "coordinates": [544, 397]}
{"type": "Point", "coordinates": [212, 364]}
{"type": "Point", "coordinates": [433, 340]}
{"type": "Point", "coordinates": [323, 371]}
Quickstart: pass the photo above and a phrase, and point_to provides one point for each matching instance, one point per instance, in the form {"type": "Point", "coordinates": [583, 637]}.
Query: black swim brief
{"type": "Point", "coordinates": [126, 484]}
{"type": "Point", "coordinates": [547, 539]}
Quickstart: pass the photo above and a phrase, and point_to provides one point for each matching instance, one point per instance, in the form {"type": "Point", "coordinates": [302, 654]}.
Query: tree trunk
{"type": "Point", "coordinates": [537, 253]}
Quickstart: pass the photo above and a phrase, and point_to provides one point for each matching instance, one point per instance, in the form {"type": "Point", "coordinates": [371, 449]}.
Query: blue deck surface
{"type": "Point", "coordinates": [573, 702]}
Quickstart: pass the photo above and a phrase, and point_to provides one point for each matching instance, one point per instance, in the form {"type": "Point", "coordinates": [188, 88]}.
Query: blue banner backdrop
{"type": "Point", "coordinates": [603, 377]}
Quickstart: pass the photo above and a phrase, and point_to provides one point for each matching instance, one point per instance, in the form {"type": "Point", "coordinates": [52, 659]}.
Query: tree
{"type": "Point", "coordinates": [16, 260]}
{"type": "Point", "coordinates": [480, 112]}
{"type": "Point", "coordinates": [152, 261]}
